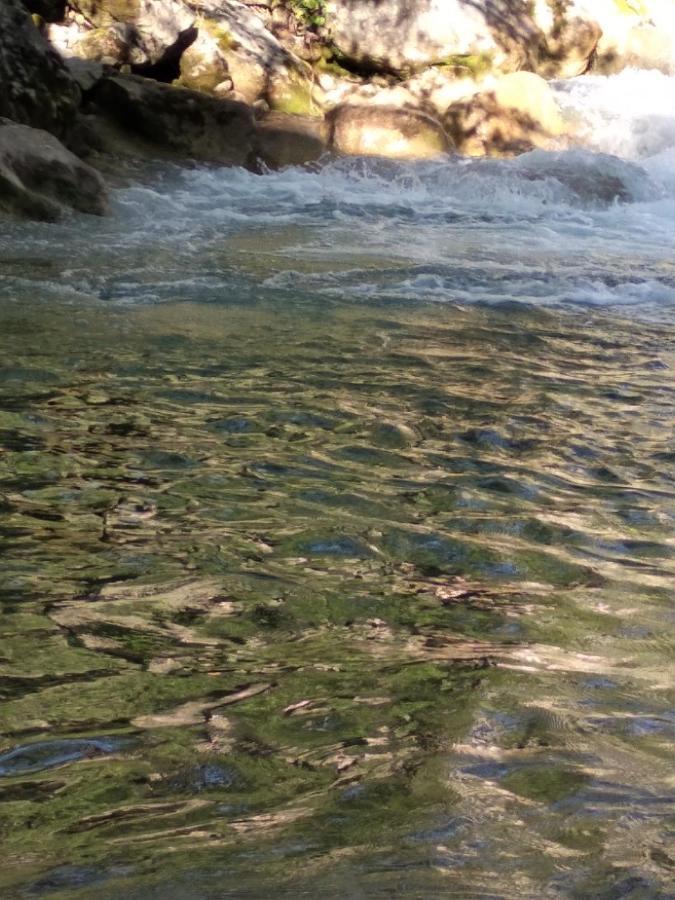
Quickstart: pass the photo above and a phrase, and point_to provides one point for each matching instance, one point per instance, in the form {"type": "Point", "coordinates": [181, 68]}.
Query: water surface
{"type": "Point", "coordinates": [336, 518]}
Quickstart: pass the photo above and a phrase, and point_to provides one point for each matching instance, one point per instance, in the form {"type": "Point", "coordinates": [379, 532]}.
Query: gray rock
{"type": "Point", "coordinates": [187, 123]}
{"type": "Point", "coordinates": [37, 89]}
{"type": "Point", "coordinates": [39, 177]}
{"type": "Point", "coordinates": [86, 72]}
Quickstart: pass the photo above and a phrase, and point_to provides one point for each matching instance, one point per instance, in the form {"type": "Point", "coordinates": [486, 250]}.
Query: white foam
{"type": "Point", "coordinates": [631, 115]}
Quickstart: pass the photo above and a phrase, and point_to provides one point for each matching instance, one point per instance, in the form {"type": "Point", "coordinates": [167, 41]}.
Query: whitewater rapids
{"type": "Point", "coordinates": [592, 223]}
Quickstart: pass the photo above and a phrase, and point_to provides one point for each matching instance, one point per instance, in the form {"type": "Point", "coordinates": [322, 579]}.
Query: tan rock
{"type": "Point", "coordinates": [386, 131]}
{"type": "Point", "coordinates": [650, 47]}
{"type": "Point", "coordinates": [530, 94]}
{"type": "Point", "coordinates": [204, 65]}
{"type": "Point", "coordinates": [517, 114]}
{"type": "Point", "coordinates": [100, 44]}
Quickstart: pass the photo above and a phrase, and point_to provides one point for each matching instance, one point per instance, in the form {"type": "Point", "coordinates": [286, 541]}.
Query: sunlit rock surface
{"type": "Point", "coordinates": [153, 30]}
{"type": "Point", "coordinates": [392, 132]}
{"type": "Point", "coordinates": [517, 113]}
{"type": "Point", "coordinates": [398, 35]}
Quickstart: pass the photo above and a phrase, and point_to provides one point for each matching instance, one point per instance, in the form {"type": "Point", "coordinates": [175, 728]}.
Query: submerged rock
{"type": "Point", "coordinates": [48, 754]}
{"type": "Point", "coordinates": [591, 179]}
{"type": "Point", "coordinates": [37, 89]}
{"type": "Point", "coordinates": [186, 123]}
{"type": "Point", "coordinates": [39, 177]}
{"type": "Point", "coordinates": [386, 131]}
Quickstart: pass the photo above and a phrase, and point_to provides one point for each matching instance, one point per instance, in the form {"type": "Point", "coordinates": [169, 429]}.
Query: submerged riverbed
{"type": "Point", "coordinates": [336, 519]}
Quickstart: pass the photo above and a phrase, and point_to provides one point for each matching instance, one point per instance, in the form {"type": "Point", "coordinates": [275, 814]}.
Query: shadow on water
{"type": "Point", "coordinates": [347, 600]}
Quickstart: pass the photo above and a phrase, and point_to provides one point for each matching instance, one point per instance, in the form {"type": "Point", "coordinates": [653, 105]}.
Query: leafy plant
{"type": "Point", "coordinates": [311, 12]}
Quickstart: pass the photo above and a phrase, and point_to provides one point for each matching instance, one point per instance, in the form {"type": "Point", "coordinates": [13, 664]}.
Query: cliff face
{"type": "Point", "coordinates": [37, 89]}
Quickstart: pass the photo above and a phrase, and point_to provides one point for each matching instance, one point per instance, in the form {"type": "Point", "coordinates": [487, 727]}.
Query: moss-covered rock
{"type": "Point", "coordinates": [204, 65]}
{"type": "Point", "coordinates": [292, 91]}
{"type": "Point", "coordinates": [234, 47]}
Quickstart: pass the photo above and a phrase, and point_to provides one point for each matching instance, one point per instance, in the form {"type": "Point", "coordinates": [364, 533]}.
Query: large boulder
{"type": "Point", "coordinates": [39, 177]}
{"type": "Point", "coordinates": [408, 35]}
{"type": "Point", "coordinates": [156, 32]}
{"type": "Point", "coordinates": [392, 132]}
{"type": "Point", "coordinates": [187, 123]}
{"type": "Point", "coordinates": [234, 47]}
{"type": "Point", "coordinates": [37, 89]}
{"type": "Point", "coordinates": [517, 114]}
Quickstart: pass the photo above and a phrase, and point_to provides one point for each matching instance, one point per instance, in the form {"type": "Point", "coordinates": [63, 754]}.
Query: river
{"type": "Point", "coordinates": [337, 527]}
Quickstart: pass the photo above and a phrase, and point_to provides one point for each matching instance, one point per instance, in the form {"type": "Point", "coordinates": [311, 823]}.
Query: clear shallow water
{"type": "Point", "coordinates": [336, 517]}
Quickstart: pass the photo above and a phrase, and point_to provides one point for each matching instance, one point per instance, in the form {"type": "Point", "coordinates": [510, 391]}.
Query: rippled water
{"type": "Point", "coordinates": [336, 518]}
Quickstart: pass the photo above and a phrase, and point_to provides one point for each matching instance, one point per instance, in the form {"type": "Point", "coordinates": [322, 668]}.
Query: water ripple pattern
{"type": "Point", "coordinates": [336, 519]}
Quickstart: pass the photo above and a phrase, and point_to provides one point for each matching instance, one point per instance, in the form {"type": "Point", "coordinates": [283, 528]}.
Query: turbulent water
{"type": "Point", "coordinates": [336, 520]}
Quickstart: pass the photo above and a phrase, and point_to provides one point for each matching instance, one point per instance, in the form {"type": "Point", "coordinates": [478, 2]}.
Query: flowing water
{"type": "Point", "coordinates": [336, 519]}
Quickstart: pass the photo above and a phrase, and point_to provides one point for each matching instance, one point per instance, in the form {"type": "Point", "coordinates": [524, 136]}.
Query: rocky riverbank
{"type": "Point", "coordinates": [280, 82]}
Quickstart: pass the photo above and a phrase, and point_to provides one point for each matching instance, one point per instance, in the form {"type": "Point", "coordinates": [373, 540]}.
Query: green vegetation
{"type": "Point", "coordinates": [475, 64]}
{"type": "Point", "coordinates": [311, 12]}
